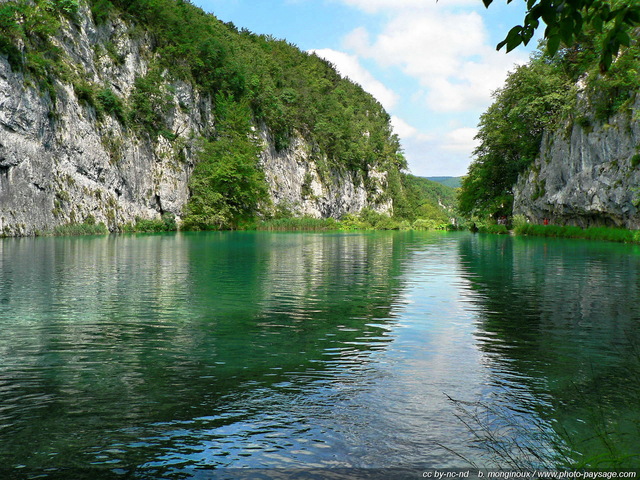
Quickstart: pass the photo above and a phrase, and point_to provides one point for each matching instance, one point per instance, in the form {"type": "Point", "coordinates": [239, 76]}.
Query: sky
{"type": "Point", "coordinates": [432, 64]}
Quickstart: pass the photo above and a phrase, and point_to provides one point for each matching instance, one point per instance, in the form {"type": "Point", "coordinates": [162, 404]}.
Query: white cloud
{"type": "Point", "coordinates": [430, 157]}
{"type": "Point", "coordinates": [447, 52]}
{"type": "Point", "coordinates": [402, 128]}
{"type": "Point", "coordinates": [448, 55]}
{"type": "Point", "coordinates": [349, 66]}
{"type": "Point", "coordinates": [405, 131]}
{"type": "Point", "coordinates": [373, 6]}
{"type": "Point", "coordinates": [443, 53]}
{"type": "Point", "coordinates": [461, 140]}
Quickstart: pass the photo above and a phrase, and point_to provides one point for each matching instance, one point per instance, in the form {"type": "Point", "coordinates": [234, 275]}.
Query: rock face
{"type": "Point", "coordinates": [586, 175]}
{"type": "Point", "coordinates": [299, 184]}
{"type": "Point", "coordinates": [61, 161]}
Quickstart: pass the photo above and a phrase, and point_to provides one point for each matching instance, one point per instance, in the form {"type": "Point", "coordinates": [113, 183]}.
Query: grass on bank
{"type": "Point", "coordinates": [88, 227]}
{"type": "Point", "coordinates": [167, 223]}
{"type": "Point", "coordinates": [365, 220]}
{"type": "Point", "coordinates": [297, 224]}
{"type": "Point", "coordinates": [495, 229]}
{"type": "Point", "coordinates": [521, 226]}
{"type": "Point", "coordinates": [609, 234]}
{"type": "Point", "coordinates": [77, 229]}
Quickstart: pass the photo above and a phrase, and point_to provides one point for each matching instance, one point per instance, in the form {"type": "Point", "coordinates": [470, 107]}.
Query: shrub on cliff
{"type": "Point", "coordinates": [227, 185]}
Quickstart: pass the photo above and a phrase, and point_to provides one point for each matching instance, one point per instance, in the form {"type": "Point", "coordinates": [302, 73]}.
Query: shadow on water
{"type": "Point", "coordinates": [559, 320]}
{"type": "Point", "coordinates": [174, 352]}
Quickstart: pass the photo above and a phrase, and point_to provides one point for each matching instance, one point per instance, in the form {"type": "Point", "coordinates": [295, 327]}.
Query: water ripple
{"type": "Point", "coordinates": [166, 354]}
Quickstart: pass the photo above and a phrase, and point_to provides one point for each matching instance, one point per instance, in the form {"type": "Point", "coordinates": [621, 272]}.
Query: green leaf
{"type": "Point", "coordinates": [597, 24]}
{"type": "Point", "coordinates": [623, 38]}
{"type": "Point", "coordinates": [633, 15]}
{"type": "Point", "coordinates": [567, 30]}
{"type": "Point", "coordinates": [513, 39]}
{"type": "Point", "coordinates": [606, 60]}
{"type": "Point", "coordinates": [553, 43]}
{"type": "Point", "coordinates": [547, 11]}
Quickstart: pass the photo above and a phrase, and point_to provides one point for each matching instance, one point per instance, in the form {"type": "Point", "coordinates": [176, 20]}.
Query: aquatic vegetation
{"type": "Point", "coordinates": [166, 223]}
{"type": "Point", "coordinates": [73, 229]}
{"type": "Point", "coordinates": [512, 440]}
{"type": "Point", "coordinates": [496, 229]}
{"type": "Point", "coordinates": [299, 224]}
{"type": "Point", "coordinates": [592, 233]}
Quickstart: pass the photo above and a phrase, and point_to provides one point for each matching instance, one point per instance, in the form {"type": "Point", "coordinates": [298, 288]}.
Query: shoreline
{"type": "Point", "coordinates": [610, 234]}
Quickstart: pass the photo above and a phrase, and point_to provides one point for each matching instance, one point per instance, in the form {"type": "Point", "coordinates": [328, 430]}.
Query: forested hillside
{"type": "Point", "coordinates": [426, 199]}
{"type": "Point", "coordinates": [453, 182]}
{"type": "Point", "coordinates": [260, 76]}
{"type": "Point", "coordinates": [556, 98]}
{"type": "Point", "coordinates": [245, 90]}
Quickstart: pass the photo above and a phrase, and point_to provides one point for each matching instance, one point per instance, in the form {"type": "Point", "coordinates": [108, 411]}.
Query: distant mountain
{"type": "Point", "coordinates": [426, 199]}
{"type": "Point", "coordinates": [453, 182]}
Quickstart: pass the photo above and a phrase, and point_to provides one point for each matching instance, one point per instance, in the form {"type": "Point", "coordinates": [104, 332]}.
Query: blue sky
{"type": "Point", "coordinates": [432, 64]}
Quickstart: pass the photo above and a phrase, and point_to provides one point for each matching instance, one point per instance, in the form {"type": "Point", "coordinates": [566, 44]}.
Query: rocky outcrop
{"type": "Point", "coordinates": [61, 161]}
{"type": "Point", "coordinates": [587, 174]}
{"type": "Point", "coordinates": [304, 185]}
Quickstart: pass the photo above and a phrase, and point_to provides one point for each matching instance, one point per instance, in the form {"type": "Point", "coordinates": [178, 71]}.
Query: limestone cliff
{"type": "Point", "coordinates": [587, 173]}
{"type": "Point", "coordinates": [62, 161]}
{"type": "Point", "coordinates": [302, 186]}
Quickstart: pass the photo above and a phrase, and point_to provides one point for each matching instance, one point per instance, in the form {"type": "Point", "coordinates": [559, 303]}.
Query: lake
{"type": "Point", "coordinates": [168, 356]}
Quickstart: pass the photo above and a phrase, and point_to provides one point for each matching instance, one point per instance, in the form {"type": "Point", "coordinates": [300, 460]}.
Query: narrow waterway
{"type": "Point", "coordinates": [162, 356]}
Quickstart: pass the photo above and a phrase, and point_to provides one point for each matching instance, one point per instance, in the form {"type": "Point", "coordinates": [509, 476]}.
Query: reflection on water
{"type": "Point", "coordinates": [560, 319]}
{"type": "Point", "coordinates": [159, 355]}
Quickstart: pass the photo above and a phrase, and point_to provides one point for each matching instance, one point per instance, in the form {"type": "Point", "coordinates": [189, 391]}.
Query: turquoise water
{"type": "Point", "coordinates": [161, 356]}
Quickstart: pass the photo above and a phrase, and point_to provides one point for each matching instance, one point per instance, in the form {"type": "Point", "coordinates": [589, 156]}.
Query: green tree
{"type": "Point", "coordinates": [110, 103]}
{"type": "Point", "coordinates": [566, 20]}
{"type": "Point", "coordinates": [149, 102]}
{"type": "Point", "coordinates": [227, 185]}
{"type": "Point", "coordinates": [421, 198]}
{"type": "Point", "coordinates": [533, 98]}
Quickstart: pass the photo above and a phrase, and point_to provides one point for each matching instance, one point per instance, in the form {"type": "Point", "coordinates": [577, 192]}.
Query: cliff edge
{"type": "Point", "coordinates": [94, 126]}
{"type": "Point", "coordinates": [587, 173]}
